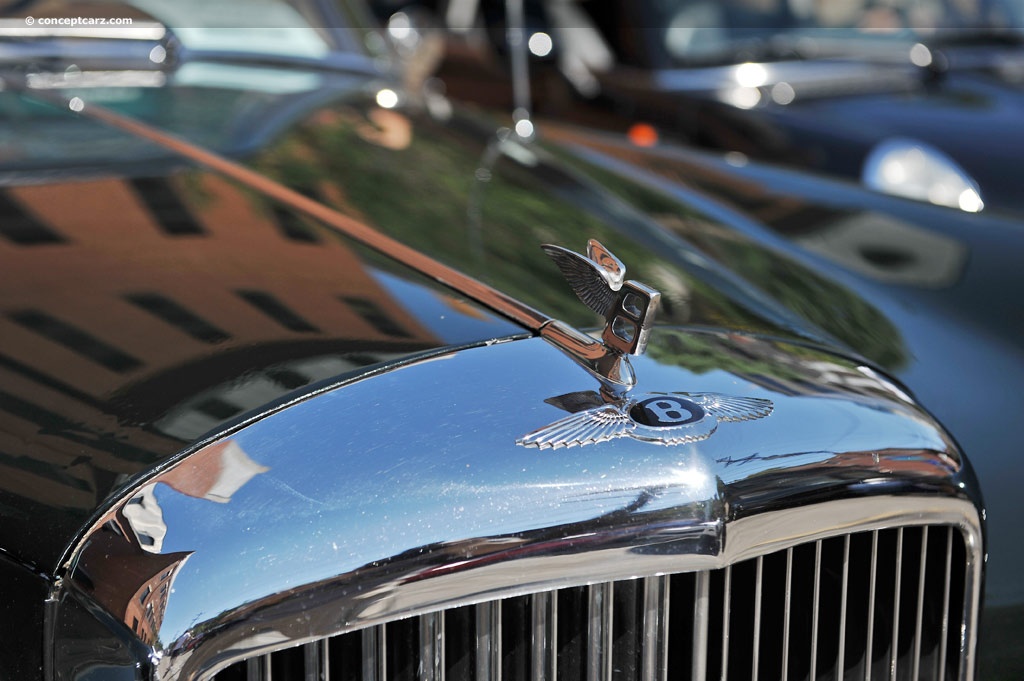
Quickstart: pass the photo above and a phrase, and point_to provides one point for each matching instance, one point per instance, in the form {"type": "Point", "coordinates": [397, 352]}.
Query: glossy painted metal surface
{"type": "Point", "coordinates": [919, 292]}
{"type": "Point", "coordinates": [361, 233]}
{"type": "Point", "coordinates": [406, 491]}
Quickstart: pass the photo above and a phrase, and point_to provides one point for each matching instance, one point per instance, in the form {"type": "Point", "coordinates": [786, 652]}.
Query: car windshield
{"type": "Point", "coordinates": [223, 73]}
{"type": "Point", "coordinates": [720, 31]}
{"type": "Point", "coordinates": [308, 30]}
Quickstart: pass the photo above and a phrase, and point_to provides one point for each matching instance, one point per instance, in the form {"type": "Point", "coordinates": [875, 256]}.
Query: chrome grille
{"type": "Point", "coordinates": [884, 604]}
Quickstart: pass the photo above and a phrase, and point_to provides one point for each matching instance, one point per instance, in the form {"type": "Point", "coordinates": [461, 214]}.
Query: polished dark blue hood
{"type": "Point", "coordinates": [148, 306]}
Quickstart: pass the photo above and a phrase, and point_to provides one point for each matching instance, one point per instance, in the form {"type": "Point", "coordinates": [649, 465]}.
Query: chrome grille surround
{"type": "Point", "coordinates": [404, 493]}
{"type": "Point", "coordinates": [722, 628]}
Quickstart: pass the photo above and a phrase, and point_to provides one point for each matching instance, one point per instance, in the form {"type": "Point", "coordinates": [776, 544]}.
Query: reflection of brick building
{"type": "Point", "coordinates": [116, 290]}
{"type": "Point", "coordinates": [144, 612]}
{"type": "Point", "coordinates": [136, 582]}
{"type": "Point", "coordinates": [135, 575]}
{"type": "Point", "coordinates": [214, 473]}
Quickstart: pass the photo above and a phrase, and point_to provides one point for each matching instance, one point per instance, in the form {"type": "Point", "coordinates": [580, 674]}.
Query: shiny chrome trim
{"type": "Point", "coordinates": [313, 661]}
{"type": "Point", "coordinates": [375, 658]}
{"type": "Point", "coordinates": [488, 641]}
{"type": "Point", "coordinates": [254, 667]}
{"type": "Point", "coordinates": [945, 604]}
{"type": "Point", "coordinates": [609, 367]}
{"type": "Point", "coordinates": [755, 653]}
{"type": "Point", "coordinates": [922, 570]}
{"type": "Point", "coordinates": [656, 613]}
{"type": "Point", "coordinates": [600, 615]}
{"type": "Point", "coordinates": [544, 631]}
{"type": "Point", "coordinates": [701, 615]}
{"type": "Point", "coordinates": [432, 646]}
{"type": "Point", "coordinates": [812, 525]}
{"type": "Point", "coordinates": [815, 611]}
{"type": "Point", "coordinates": [869, 647]}
{"type": "Point", "coordinates": [629, 308]}
{"type": "Point", "coordinates": [447, 511]}
{"type": "Point", "coordinates": [894, 651]}
{"type": "Point", "coordinates": [726, 614]}
{"type": "Point", "coordinates": [841, 662]}
{"type": "Point", "coordinates": [786, 614]}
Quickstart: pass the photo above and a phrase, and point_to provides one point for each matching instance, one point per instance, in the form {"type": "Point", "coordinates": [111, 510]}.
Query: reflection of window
{"type": "Point", "coordinates": [292, 226]}
{"type": "Point", "coordinates": [278, 311]}
{"type": "Point", "coordinates": [76, 340]}
{"type": "Point", "coordinates": [174, 314]}
{"type": "Point", "coordinates": [218, 408]}
{"type": "Point", "coordinates": [368, 310]}
{"type": "Point", "coordinates": [135, 624]}
{"type": "Point", "coordinates": [145, 594]}
{"type": "Point", "coordinates": [166, 207]}
{"type": "Point", "coordinates": [22, 228]}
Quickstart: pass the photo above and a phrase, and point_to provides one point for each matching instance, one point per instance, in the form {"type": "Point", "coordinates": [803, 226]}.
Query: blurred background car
{"type": "Point", "coordinates": [920, 99]}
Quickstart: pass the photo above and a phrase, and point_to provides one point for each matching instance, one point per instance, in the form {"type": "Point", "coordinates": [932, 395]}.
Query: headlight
{"type": "Point", "coordinates": [913, 169]}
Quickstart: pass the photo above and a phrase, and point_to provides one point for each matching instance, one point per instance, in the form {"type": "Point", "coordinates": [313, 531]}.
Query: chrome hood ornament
{"type": "Point", "coordinates": [659, 418]}
{"type": "Point", "coordinates": [629, 307]}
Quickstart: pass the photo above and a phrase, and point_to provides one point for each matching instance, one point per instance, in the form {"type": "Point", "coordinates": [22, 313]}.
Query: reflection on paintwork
{"type": "Point", "coordinates": [130, 334]}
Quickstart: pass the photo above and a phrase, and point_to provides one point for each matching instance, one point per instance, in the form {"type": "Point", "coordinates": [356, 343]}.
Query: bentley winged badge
{"type": "Point", "coordinates": [659, 418]}
{"type": "Point", "coordinates": [628, 307]}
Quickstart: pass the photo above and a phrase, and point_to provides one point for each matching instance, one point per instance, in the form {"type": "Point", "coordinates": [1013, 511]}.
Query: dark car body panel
{"type": "Point", "coordinates": [154, 291]}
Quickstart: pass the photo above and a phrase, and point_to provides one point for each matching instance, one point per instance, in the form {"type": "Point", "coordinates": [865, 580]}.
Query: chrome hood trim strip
{"type": "Point", "coordinates": [405, 492]}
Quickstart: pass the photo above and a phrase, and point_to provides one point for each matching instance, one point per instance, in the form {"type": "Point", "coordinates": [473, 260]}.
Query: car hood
{"type": "Point", "coordinates": [148, 303]}
{"type": "Point", "coordinates": [901, 287]}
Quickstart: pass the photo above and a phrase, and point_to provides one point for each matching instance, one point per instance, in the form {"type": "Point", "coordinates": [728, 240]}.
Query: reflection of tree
{"type": "Point", "coordinates": [703, 352]}
{"type": "Point", "coordinates": [423, 194]}
{"type": "Point", "coordinates": [822, 302]}
{"type": "Point", "coordinates": [831, 307]}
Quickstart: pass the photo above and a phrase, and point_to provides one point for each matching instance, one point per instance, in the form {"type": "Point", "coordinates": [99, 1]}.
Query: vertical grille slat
{"type": "Point", "coordinates": [432, 667]}
{"type": "Point", "coordinates": [656, 619]}
{"type": "Point", "coordinates": [894, 654]}
{"type": "Point", "coordinates": [488, 641]}
{"type": "Point", "coordinates": [374, 651]}
{"type": "Point", "coordinates": [599, 649]}
{"type": "Point", "coordinates": [848, 608]}
{"type": "Point", "coordinates": [314, 661]}
{"type": "Point", "coordinates": [755, 651]}
{"type": "Point", "coordinates": [945, 605]}
{"type": "Point", "coordinates": [844, 593]}
{"type": "Point", "coordinates": [869, 642]}
{"type": "Point", "coordinates": [254, 669]}
{"type": "Point", "coordinates": [544, 611]}
{"type": "Point", "coordinates": [919, 620]}
{"type": "Point", "coordinates": [726, 610]}
{"type": "Point", "coordinates": [815, 612]}
{"type": "Point", "coordinates": [701, 615]}
{"type": "Point", "coordinates": [786, 614]}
